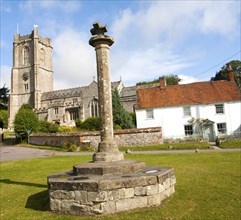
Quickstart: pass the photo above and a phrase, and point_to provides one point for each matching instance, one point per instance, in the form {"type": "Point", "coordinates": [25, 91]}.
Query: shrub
{"type": "Point", "coordinates": [25, 120]}
{"type": "Point", "coordinates": [117, 127]}
{"type": "Point", "coordinates": [47, 127]}
{"type": "Point", "coordinates": [78, 123]}
{"type": "Point", "coordinates": [66, 129]}
{"type": "Point", "coordinates": [70, 147]}
{"type": "Point", "coordinates": [91, 124]}
{"type": "Point", "coordinates": [4, 118]}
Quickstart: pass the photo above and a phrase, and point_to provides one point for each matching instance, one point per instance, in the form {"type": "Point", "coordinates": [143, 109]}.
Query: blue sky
{"type": "Point", "coordinates": [192, 39]}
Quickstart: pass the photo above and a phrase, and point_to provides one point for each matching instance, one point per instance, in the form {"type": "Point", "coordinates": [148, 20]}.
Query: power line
{"type": "Point", "coordinates": [218, 64]}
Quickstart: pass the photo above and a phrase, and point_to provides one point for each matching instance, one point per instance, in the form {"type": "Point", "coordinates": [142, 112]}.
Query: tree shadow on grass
{"type": "Point", "coordinates": [38, 201]}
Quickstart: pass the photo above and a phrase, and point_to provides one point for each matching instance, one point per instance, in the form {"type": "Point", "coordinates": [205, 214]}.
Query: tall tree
{"type": "Point", "coordinates": [170, 80]}
{"type": "Point", "coordinates": [223, 73]}
{"type": "Point", "coordinates": [4, 96]}
{"type": "Point", "coordinates": [120, 116]}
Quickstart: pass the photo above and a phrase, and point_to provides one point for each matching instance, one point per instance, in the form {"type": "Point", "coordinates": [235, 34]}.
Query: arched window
{"type": "Point", "coordinates": [94, 108]}
{"type": "Point", "coordinates": [42, 56]}
{"type": "Point", "coordinates": [26, 56]}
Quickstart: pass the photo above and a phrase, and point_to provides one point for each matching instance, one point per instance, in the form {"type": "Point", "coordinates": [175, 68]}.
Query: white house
{"type": "Point", "coordinates": [209, 108]}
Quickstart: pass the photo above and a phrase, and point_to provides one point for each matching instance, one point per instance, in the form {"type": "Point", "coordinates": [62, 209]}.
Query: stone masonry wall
{"type": "Point", "coordinates": [128, 137]}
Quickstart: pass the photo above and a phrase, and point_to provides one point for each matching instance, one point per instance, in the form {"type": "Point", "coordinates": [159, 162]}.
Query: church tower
{"type": "Point", "coordinates": [32, 71]}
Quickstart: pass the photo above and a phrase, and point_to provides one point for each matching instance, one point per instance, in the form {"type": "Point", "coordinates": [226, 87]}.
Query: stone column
{"type": "Point", "coordinates": [107, 149]}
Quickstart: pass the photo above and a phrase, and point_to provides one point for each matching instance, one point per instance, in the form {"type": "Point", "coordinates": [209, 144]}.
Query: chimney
{"type": "Point", "coordinates": [162, 82]}
{"type": "Point", "coordinates": [230, 73]}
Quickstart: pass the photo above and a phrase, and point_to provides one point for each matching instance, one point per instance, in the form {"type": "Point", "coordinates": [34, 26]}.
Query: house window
{"type": "Point", "coordinates": [221, 128]}
{"type": "Point", "coordinates": [26, 87]}
{"type": "Point", "coordinates": [149, 114]}
{"type": "Point", "coordinates": [188, 129]}
{"type": "Point", "coordinates": [94, 108]}
{"type": "Point", "coordinates": [219, 109]}
{"type": "Point", "coordinates": [187, 111]}
{"type": "Point", "coordinates": [56, 111]}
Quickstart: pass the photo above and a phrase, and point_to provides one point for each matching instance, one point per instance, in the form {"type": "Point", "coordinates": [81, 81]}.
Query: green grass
{"type": "Point", "coordinates": [208, 188]}
{"type": "Point", "coordinates": [231, 144]}
{"type": "Point", "coordinates": [174, 146]}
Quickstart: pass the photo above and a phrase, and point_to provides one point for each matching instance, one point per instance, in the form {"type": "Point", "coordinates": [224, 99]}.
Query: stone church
{"type": "Point", "coordinates": [32, 83]}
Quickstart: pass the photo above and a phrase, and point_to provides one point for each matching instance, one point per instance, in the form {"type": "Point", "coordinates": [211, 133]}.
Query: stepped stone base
{"type": "Point", "coordinates": [109, 187]}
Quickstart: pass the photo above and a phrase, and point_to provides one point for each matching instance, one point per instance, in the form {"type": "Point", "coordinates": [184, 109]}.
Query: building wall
{"type": "Point", "coordinates": [172, 120]}
{"type": "Point", "coordinates": [31, 72]}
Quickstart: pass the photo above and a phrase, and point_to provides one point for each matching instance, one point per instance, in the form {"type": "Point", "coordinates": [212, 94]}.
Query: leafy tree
{"type": "Point", "coordinates": [4, 118]}
{"type": "Point", "coordinates": [170, 80]}
{"type": "Point", "coordinates": [25, 119]}
{"type": "Point", "coordinates": [120, 116]}
{"type": "Point", "coordinates": [4, 96]}
{"type": "Point", "coordinates": [223, 73]}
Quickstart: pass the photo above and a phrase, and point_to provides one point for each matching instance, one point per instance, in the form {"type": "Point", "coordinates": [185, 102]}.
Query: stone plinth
{"type": "Point", "coordinates": [103, 188]}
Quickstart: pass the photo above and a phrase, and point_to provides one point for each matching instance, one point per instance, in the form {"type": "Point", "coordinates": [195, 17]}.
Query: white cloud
{"type": "Point", "coordinates": [5, 76]}
{"type": "Point", "coordinates": [187, 79]}
{"type": "Point", "coordinates": [74, 60]}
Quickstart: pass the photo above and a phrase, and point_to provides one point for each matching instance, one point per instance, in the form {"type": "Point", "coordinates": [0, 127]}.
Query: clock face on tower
{"type": "Point", "coordinates": [25, 76]}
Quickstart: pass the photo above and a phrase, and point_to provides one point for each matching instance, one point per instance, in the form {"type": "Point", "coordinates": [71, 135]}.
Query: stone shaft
{"type": "Point", "coordinates": [107, 149]}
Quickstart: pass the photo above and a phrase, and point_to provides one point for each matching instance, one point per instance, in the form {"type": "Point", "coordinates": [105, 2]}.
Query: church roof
{"type": "Point", "coordinates": [128, 91]}
{"type": "Point", "coordinates": [188, 94]}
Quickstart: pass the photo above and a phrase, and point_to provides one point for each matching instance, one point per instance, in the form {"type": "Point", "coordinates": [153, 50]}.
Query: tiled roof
{"type": "Point", "coordinates": [188, 94]}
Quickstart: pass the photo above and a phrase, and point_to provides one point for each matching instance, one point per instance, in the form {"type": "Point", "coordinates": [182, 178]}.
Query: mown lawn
{"type": "Point", "coordinates": [208, 187]}
{"type": "Point", "coordinates": [230, 144]}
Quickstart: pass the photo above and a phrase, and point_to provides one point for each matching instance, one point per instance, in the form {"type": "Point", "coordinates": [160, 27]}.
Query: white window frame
{"type": "Point", "coordinates": [219, 108]}
{"type": "Point", "coordinates": [188, 132]}
{"type": "Point", "coordinates": [222, 128]}
{"type": "Point", "coordinates": [149, 114]}
{"type": "Point", "coordinates": [187, 111]}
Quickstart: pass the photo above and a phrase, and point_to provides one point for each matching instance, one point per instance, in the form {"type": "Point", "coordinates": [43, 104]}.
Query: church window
{"type": "Point", "coordinates": [42, 57]}
{"type": "Point", "coordinates": [74, 113]}
{"type": "Point", "coordinates": [26, 56]}
{"type": "Point", "coordinates": [94, 108]}
{"type": "Point", "coordinates": [56, 111]}
{"type": "Point", "coordinates": [26, 87]}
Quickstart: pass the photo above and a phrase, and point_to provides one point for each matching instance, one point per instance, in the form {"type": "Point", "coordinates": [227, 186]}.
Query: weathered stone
{"type": "Point", "coordinates": [97, 196]}
{"type": "Point", "coordinates": [152, 189]}
{"type": "Point", "coordinates": [154, 200]}
{"type": "Point", "coordinates": [161, 188]}
{"type": "Point", "coordinates": [55, 204]}
{"type": "Point", "coordinates": [126, 193]}
{"type": "Point", "coordinates": [81, 196]}
{"type": "Point", "coordinates": [140, 191]}
{"type": "Point", "coordinates": [131, 203]}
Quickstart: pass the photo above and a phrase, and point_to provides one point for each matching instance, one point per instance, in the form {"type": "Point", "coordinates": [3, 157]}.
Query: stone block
{"type": "Point", "coordinates": [109, 207]}
{"type": "Point", "coordinates": [154, 200]}
{"type": "Point", "coordinates": [126, 193]}
{"type": "Point", "coordinates": [113, 195]}
{"type": "Point", "coordinates": [173, 180]}
{"type": "Point", "coordinates": [81, 196]}
{"type": "Point", "coordinates": [55, 204]}
{"type": "Point", "coordinates": [131, 203]}
{"type": "Point", "coordinates": [140, 191]}
{"type": "Point", "coordinates": [152, 189]}
{"type": "Point", "coordinates": [97, 196]}
{"type": "Point", "coordinates": [167, 183]}
{"type": "Point", "coordinates": [161, 188]}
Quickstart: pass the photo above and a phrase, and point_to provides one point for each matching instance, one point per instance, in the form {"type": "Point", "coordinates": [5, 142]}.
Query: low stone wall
{"type": "Point", "coordinates": [127, 137]}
